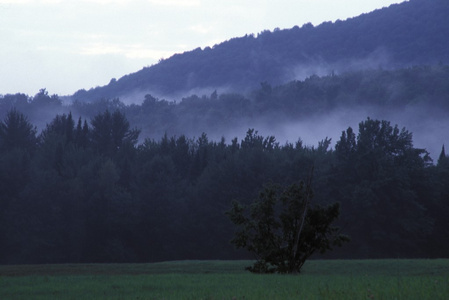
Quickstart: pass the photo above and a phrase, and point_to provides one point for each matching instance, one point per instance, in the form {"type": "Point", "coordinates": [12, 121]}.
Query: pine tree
{"type": "Point", "coordinates": [443, 160]}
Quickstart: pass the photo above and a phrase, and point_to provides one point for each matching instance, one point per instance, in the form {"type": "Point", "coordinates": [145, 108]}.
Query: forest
{"type": "Point", "coordinates": [312, 109]}
{"type": "Point", "coordinates": [402, 35]}
{"type": "Point", "coordinates": [146, 168]}
{"type": "Point", "coordinates": [88, 191]}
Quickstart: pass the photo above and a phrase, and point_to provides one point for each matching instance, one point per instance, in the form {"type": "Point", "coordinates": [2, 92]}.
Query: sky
{"type": "Point", "coordinates": [67, 45]}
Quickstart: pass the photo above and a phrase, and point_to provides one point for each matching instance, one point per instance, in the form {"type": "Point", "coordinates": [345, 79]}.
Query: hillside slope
{"type": "Point", "coordinates": [401, 35]}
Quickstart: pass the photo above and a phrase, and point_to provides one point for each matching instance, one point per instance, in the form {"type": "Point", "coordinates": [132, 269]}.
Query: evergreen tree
{"type": "Point", "coordinates": [443, 160]}
{"type": "Point", "coordinates": [17, 132]}
{"type": "Point", "coordinates": [111, 131]}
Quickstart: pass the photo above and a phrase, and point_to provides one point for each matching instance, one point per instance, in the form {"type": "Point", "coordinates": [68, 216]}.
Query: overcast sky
{"type": "Point", "coordinates": [66, 45]}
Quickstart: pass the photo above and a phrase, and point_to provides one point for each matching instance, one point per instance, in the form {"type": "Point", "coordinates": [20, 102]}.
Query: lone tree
{"type": "Point", "coordinates": [283, 229]}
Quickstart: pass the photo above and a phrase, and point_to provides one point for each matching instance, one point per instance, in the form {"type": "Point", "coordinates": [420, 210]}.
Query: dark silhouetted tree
{"type": "Point", "coordinates": [443, 160]}
{"type": "Point", "coordinates": [17, 132]}
{"type": "Point", "coordinates": [283, 229]}
{"type": "Point", "coordinates": [111, 131]}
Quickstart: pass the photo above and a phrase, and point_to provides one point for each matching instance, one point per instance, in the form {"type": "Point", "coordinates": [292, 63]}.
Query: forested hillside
{"type": "Point", "coordinates": [310, 109]}
{"type": "Point", "coordinates": [410, 33]}
{"type": "Point", "coordinates": [87, 192]}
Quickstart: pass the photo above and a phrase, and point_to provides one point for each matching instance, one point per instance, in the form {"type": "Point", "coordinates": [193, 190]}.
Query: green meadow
{"type": "Point", "coordinates": [320, 279]}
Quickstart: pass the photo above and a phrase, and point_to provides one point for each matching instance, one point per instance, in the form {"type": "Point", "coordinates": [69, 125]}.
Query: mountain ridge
{"type": "Point", "coordinates": [401, 35]}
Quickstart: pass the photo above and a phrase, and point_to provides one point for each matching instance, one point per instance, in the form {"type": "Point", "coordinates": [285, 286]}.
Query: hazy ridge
{"type": "Point", "coordinates": [402, 35]}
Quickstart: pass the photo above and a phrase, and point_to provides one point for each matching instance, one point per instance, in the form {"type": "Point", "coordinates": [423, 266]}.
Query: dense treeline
{"type": "Point", "coordinates": [86, 186]}
{"type": "Point", "coordinates": [87, 191]}
{"type": "Point", "coordinates": [402, 35]}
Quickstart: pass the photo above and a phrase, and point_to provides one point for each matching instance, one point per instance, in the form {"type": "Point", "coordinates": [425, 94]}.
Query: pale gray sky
{"type": "Point", "coordinates": [66, 45]}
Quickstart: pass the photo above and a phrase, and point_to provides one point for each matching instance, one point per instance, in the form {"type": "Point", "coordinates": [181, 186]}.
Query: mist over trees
{"type": "Point", "coordinates": [401, 35]}
{"type": "Point", "coordinates": [312, 108]}
{"type": "Point", "coordinates": [86, 191]}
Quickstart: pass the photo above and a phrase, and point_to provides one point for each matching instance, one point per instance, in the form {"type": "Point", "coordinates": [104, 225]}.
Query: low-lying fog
{"type": "Point", "coordinates": [430, 129]}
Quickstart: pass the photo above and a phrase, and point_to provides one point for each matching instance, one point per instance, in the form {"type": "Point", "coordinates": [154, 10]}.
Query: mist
{"type": "Point", "coordinates": [309, 110]}
{"type": "Point", "coordinates": [199, 113]}
{"type": "Point", "coordinates": [429, 132]}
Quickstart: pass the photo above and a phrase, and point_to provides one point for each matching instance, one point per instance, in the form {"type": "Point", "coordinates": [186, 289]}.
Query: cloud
{"type": "Point", "coordinates": [131, 51]}
{"type": "Point", "coordinates": [201, 29]}
{"type": "Point", "coordinates": [175, 2]}
{"type": "Point", "coordinates": [15, 1]}
{"type": "Point", "coordinates": [30, 2]}
{"type": "Point", "coordinates": [61, 1]}
{"type": "Point", "coordinates": [104, 2]}
{"type": "Point", "coordinates": [172, 3]}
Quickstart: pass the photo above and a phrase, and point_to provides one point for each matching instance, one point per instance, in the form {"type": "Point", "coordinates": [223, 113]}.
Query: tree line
{"type": "Point", "coordinates": [415, 92]}
{"type": "Point", "coordinates": [87, 190]}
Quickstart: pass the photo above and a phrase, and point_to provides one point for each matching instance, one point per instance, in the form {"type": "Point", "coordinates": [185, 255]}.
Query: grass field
{"type": "Point", "coordinates": [320, 279]}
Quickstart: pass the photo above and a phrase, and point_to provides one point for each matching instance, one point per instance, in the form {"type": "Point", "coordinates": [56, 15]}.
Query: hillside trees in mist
{"type": "Point", "coordinates": [412, 93]}
{"type": "Point", "coordinates": [402, 35]}
{"type": "Point", "coordinates": [67, 200]}
{"type": "Point", "coordinates": [415, 92]}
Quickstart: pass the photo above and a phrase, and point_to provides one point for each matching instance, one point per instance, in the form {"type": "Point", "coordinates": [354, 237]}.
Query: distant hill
{"type": "Point", "coordinates": [402, 35]}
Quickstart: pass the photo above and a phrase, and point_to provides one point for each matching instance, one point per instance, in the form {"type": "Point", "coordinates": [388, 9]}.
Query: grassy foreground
{"type": "Point", "coordinates": [321, 279]}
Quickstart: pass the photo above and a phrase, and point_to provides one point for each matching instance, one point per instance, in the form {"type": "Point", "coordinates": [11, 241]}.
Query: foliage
{"type": "Point", "coordinates": [78, 182]}
{"type": "Point", "coordinates": [67, 197]}
{"type": "Point", "coordinates": [415, 92]}
{"type": "Point", "coordinates": [17, 132]}
{"type": "Point", "coordinates": [284, 230]}
{"type": "Point", "coordinates": [379, 167]}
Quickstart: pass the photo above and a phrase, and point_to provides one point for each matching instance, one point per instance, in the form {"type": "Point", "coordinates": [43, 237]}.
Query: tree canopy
{"type": "Point", "coordinates": [66, 200]}
{"type": "Point", "coordinates": [283, 229]}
